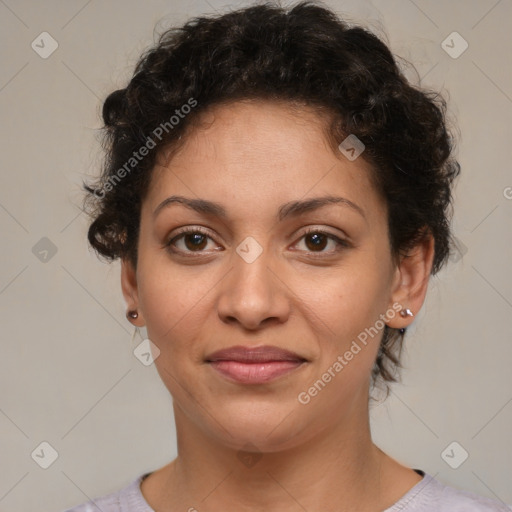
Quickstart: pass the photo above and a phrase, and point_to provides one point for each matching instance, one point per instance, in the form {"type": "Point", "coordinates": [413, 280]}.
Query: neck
{"type": "Point", "coordinates": [337, 469]}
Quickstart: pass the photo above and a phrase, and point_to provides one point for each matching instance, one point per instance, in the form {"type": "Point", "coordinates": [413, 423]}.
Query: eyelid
{"type": "Point", "coordinates": [192, 229]}
{"type": "Point", "coordinates": [341, 240]}
{"type": "Point", "coordinates": [326, 231]}
{"type": "Point", "coordinates": [184, 231]}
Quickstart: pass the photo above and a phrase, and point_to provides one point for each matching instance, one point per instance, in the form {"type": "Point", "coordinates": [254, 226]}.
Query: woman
{"type": "Point", "coordinates": [279, 196]}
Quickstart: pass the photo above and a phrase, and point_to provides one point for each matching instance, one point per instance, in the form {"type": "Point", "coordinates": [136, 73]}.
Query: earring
{"type": "Point", "coordinates": [404, 313]}
{"type": "Point", "coordinates": [132, 314]}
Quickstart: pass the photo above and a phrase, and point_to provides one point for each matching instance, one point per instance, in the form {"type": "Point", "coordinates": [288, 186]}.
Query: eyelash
{"type": "Point", "coordinates": [342, 244]}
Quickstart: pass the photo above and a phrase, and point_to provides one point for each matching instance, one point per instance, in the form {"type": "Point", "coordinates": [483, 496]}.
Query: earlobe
{"type": "Point", "coordinates": [411, 280]}
{"type": "Point", "coordinates": [130, 293]}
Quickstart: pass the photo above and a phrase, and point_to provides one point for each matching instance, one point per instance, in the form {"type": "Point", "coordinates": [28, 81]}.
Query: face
{"type": "Point", "coordinates": [316, 281]}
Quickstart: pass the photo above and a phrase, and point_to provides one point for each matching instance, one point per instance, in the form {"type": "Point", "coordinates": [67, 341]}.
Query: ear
{"type": "Point", "coordinates": [130, 291]}
{"type": "Point", "coordinates": [411, 280]}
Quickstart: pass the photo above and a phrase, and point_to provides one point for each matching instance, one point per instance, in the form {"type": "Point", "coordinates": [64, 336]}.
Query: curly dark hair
{"type": "Point", "coordinates": [304, 55]}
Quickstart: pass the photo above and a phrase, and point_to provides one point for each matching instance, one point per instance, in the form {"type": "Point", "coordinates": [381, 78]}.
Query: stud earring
{"type": "Point", "coordinates": [406, 312]}
{"type": "Point", "coordinates": [132, 314]}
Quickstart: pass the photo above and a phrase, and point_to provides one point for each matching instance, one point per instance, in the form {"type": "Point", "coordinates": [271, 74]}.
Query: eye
{"type": "Point", "coordinates": [316, 240]}
{"type": "Point", "coordinates": [194, 240]}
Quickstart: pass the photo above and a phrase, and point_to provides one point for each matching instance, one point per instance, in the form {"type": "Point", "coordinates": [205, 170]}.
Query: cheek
{"type": "Point", "coordinates": [348, 343]}
{"type": "Point", "coordinates": [172, 305]}
{"type": "Point", "coordinates": [171, 310]}
{"type": "Point", "coordinates": [349, 299]}
{"type": "Point", "coordinates": [348, 305]}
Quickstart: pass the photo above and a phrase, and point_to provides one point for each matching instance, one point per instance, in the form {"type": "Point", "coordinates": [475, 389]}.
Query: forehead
{"type": "Point", "coordinates": [258, 152]}
{"type": "Point", "coordinates": [258, 127]}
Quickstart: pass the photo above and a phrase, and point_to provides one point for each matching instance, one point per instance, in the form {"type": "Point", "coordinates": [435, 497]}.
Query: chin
{"type": "Point", "coordinates": [268, 427]}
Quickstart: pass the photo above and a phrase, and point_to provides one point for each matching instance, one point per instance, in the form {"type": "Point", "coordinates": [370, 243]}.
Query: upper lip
{"type": "Point", "coordinates": [262, 354]}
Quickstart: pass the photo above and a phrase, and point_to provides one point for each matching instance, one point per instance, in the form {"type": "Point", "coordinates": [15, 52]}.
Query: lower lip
{"type": "Point", "coordinates": [254, 373]}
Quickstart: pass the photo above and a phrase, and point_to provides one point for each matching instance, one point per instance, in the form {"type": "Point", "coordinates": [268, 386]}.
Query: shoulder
{"type": "Point", "coordinates": [456, 500]}
{"type": "Point", "coordinates": [431, 495]}
{"type": "Point", "coordinates": [107, 503]}
{"type": "Point", "coordinates": [126, 499]}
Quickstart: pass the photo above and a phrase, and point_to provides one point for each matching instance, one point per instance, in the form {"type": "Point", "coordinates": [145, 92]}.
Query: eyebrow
{"type": "Point", "coordinates": [290, 209]}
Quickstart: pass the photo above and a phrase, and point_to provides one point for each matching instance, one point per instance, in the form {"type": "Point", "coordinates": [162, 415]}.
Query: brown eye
{"type": "Point", "coordinates": [193, 240]}
{"type": "Point", "coordinates": [196, 241]}
{"type": "Point", "coordinates": [316, 240]}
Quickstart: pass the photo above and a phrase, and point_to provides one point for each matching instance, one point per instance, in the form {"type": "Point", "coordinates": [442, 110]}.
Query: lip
{"type": "Point", "coordinates": [262, 354]}
{"type": "Point", "coordinates": [254, 365]}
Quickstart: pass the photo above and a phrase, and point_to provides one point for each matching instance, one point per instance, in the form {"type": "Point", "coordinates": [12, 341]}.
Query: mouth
{"type": "Point", "coordinates": [254, 365]}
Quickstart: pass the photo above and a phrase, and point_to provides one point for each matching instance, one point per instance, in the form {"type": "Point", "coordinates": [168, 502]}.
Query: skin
{"type": "Point", "coordinates": [253, 156]}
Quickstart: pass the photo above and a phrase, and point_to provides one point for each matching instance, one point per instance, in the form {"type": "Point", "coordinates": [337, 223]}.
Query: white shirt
{"type": "Point", "coordinates": [428, 495]}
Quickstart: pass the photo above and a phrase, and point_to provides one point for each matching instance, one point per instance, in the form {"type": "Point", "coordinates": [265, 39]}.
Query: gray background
{"type": "Point", "coordinates": [67, 371]}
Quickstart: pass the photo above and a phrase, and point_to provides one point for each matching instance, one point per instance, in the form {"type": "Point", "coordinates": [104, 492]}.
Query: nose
{"type": "Point", "coordinates": [252, 294]}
